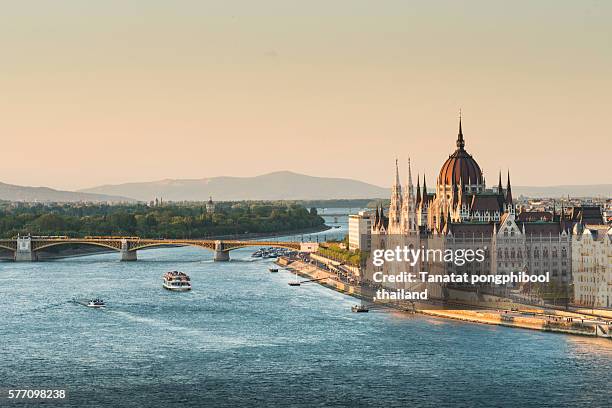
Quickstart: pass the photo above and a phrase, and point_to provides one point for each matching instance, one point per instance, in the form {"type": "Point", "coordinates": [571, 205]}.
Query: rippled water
{"type": "Point", "coordinates": [243, 337]}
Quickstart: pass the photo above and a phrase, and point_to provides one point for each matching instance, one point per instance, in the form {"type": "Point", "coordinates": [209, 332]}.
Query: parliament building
{"type": "Point", "coordinates": [462, 212]}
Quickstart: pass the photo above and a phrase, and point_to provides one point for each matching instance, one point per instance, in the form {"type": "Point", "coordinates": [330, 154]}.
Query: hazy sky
{"type": "Point", "coordinates": [96, 92]}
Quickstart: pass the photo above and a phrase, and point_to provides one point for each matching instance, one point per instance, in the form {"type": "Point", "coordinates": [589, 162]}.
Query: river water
{"type": "Point", "coordinates": [243, 337]}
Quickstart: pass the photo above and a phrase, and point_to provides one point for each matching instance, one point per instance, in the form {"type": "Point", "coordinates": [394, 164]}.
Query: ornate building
{"type": "Point", "coordinates": [592, 265]}
{"type": "Point", "coordinates": [463, 213]}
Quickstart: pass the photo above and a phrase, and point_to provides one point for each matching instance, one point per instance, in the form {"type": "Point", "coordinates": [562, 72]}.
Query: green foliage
{"type": "Point", "coordinates": [339, 253]}
{"type": "Point", "coordinates": [168, 221]}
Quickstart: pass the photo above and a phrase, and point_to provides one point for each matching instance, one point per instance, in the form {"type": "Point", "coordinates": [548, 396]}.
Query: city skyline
{"type": "Point", "coordinates": [159, 92]}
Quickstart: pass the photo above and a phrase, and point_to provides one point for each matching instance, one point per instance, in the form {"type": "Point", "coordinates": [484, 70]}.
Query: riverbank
{"type": "Point", "coordinates": [511, 315]}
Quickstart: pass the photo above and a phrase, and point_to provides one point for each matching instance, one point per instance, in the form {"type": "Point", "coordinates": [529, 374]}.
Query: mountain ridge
{"type": "Point", "coordinates": [12, 192]}
{"type": "Point", "coordinates": [288, 185]}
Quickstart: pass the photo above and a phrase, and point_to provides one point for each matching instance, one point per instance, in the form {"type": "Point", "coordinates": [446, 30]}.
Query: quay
{"type": "Point", "coordinates": [505, 313]}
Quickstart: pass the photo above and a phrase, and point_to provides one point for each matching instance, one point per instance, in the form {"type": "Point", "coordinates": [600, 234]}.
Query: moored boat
{"type": "Point", "coordinates": [359, 309]}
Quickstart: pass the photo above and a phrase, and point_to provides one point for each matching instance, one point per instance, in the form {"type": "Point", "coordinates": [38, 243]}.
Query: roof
{"type": "Point", "coordinates": [532, 216]}
{"type": "Point", "coordinates": [486, 202]}
{"type": "Point", "coordinates": [460, 167]}
{"type": "Point", "coordinates": [542, 228]}
{"type": "Point", "coordinates": [469, 229]}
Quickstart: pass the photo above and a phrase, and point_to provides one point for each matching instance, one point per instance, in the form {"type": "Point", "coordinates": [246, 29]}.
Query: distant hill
{"type": "Point", "coordinates": [282, 185]}
{"type": "Point", "coordinates": [9, 192]}
{"type": "Point", "coordinates": [592, 190]}
{"type": "Point", "coordinates": [286, 185]}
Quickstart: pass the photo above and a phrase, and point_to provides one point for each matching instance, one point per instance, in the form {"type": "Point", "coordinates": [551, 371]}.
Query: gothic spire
{"type": "Point", "coordinates": [424, 189]}
{"type": "Point", "coordinates": [508, 191]}
{"type": "Point", "coordinates": [376, 218]}
{"type": "Point", "coordinates": [397, 177]}
{"type": "Point", "coordinates": [418, 189]}
{"type": "Point", "coordinates": [500, 189]}
{"type": "Point", "coordinates": [562, 221]}
{"type": "Point", "coordinates": [409, 175]}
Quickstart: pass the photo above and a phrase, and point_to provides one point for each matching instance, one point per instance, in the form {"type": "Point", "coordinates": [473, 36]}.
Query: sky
{"type": "Point", "coordinates": [119, 91]}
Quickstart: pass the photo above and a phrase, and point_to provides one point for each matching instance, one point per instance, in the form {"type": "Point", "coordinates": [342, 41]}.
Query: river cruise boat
{"type": "Point", "coordinates": [96, 303]}
{"type": "Point", "coordinates": [177, 281]}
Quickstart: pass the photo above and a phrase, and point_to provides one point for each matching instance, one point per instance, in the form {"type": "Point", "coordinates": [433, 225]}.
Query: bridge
{"type": "Point", "coordinates": [27, 249]}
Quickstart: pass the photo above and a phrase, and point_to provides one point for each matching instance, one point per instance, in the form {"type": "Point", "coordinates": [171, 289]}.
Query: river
{"type": "Point", "coordinates": [243, 337]}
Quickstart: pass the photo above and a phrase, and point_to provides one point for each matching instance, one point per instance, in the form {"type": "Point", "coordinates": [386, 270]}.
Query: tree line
{"type": "Point", "coordinates": [167, 221]}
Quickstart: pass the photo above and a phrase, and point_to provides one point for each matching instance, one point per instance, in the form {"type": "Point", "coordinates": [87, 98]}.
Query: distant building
{"type": "Point", "coordinates": [592, 265]}
{"type": "Point", "coordinates": [359, 233]}
{"type": "Point", "coordinates": [210, 206]}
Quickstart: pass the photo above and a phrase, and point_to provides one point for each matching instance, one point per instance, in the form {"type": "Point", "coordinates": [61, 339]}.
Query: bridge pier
{"type": "Point", "coordinates": [126, 254]}
{"type": "Point", "coordinates": [220, 254]}
{"type": "Point", "coordinates": [24, 251]}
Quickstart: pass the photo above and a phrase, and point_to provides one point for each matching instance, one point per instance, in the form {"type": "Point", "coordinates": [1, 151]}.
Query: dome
{"type": "Point", "coordinates": [460, 166]}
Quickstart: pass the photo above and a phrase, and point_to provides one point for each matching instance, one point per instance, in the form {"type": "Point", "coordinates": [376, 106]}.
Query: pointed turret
{"type": "Point", "coordinates": [397, 177]}
{"type": "Point", "coordinates": [409, 175]}
{"type": "Point", "coordinates": [408, 220]}
{"type": "Point", "coordinates": [376, 219]}
{"type": "Point", "coordinates": [418, 190]}
{"type": "Point", "coordinates": [562, 218]}
{"type": "Point", "coordinates": [508, 191]}
{"type": "Point", "coordinates": [395, 207]}
{"type": "Point", "coordinates": [424, 189]}
{"type": "Point", "coordinates": [500, 189]}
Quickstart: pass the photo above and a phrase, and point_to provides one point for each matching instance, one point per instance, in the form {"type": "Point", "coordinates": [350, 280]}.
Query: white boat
{"type": "Point", "coordinates": [177, 281]}
{"type": "Point", "coordinates": [96, 303]}
{"type": "Point", "coordinates": [296, 282]}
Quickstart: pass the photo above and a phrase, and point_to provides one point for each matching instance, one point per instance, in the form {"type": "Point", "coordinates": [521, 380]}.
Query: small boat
{"type": "Point", "coordinates": [296, 282]}
{"type": "Point", "coordinates": [359, 309]}
{"type": "Point", "coordinates": [273, 269]}
{"type": "Point", "coordinates": [177, 281]}
{"type": "Point", "coordinates": [96, 303]}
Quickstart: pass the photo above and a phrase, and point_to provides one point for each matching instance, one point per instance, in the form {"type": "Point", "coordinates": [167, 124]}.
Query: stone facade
{"type": "Point", "coordinates": [592, 265]}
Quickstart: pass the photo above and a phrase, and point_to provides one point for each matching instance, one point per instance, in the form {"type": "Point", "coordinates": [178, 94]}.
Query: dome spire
{"type": "Point", "coordinates": [460, 141]}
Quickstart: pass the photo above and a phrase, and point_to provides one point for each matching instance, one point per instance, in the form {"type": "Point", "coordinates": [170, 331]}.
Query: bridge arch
{"type": "Point", "coordinates": [8, 247]}
{"type": "Point", "coordinates": [137, 246]}
{"type": "Point", "coordinates": [231, 245]}
{"type": "Point", "coordinates": [41, 247]}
